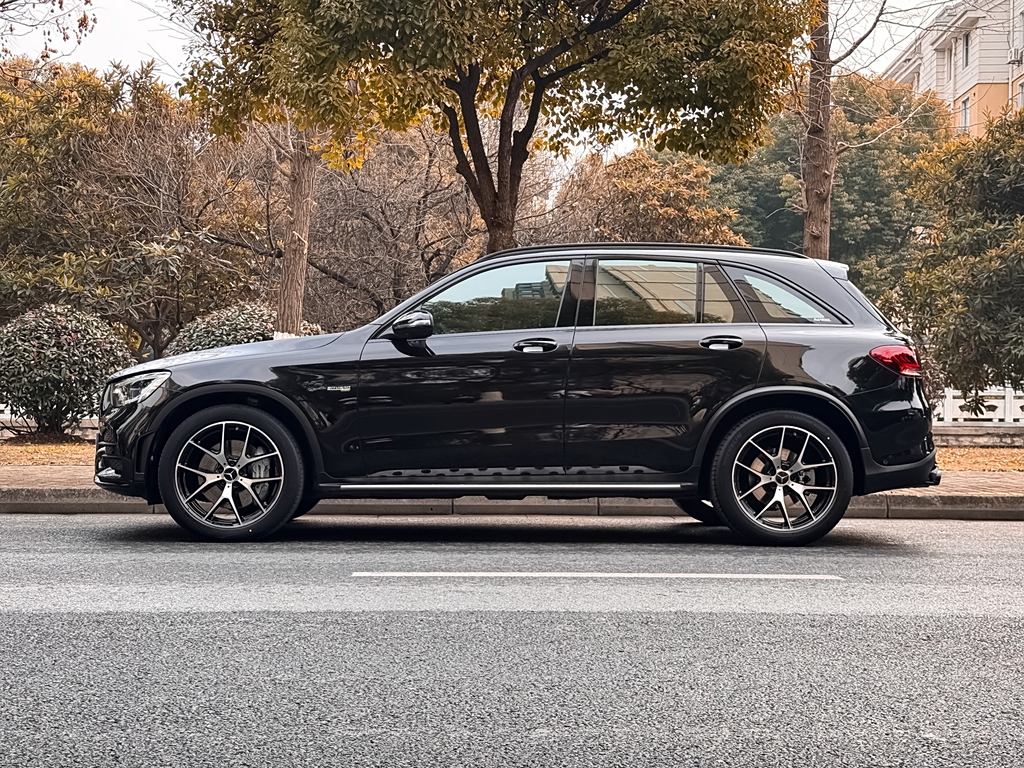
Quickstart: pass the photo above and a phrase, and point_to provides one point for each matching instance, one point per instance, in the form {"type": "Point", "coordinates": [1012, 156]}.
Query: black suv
{"type": "Point", "coordinates": [758, 389]}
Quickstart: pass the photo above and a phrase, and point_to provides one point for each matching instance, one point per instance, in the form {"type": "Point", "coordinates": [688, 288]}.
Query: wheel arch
{"type": "Point", "coordinates": [272, 402]}
{"type": "Point", "coordinates": [821, 405]}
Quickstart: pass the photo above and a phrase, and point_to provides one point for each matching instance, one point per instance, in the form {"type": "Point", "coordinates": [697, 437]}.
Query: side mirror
{"type": "Point", "coordinates": [418, 324]}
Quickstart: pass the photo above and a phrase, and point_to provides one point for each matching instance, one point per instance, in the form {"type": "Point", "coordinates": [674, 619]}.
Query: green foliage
{"type": "Point", "coordinates": [881, 129]}
{"type": "Point", "coordinates": [49, 123]}
{"type": "Point", "coordinates": [960, 288]}
{"type": "Point", "coordinates": [115, 198]}
{"type": "Point", "coordinates": [238, 324]}
{"type": "Point", "coordinates": [697, 75]}
{"type": "Point", "coordinates": [53, 363]}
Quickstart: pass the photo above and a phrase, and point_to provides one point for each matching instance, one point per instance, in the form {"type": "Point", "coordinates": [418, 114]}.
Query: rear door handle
{"type": "Point", "coordinates": [535, 346]}
{"type": "Point", "coordinates": [721, 343]}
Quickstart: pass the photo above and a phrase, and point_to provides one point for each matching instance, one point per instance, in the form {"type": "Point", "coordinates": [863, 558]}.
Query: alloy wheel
{"type": "Point", "coordinates": [785, 478]}
{"type": "Point", "coordinates": [229, 474]}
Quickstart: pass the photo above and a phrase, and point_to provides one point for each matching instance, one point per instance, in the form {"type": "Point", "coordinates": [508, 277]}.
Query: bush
{"type": "Point", "coordinates": [53, 363]}
{"type": "Point", "coordinates": [237, 324]}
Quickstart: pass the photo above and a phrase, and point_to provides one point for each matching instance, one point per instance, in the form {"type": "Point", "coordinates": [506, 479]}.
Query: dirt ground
{"type": "Point", "coordinates": [950, 459]}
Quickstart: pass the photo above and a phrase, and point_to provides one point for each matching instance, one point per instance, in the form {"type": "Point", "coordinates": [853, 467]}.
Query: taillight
{"type": "Point", "coordinates": [898, 359]}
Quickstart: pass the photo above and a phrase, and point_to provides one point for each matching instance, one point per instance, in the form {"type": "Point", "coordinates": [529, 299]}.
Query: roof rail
{"type": "Point", "coordinates": [614, 246]}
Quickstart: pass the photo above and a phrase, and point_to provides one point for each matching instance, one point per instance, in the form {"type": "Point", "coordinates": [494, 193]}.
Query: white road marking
{"type": "Point", "coordinates": [594, 575]}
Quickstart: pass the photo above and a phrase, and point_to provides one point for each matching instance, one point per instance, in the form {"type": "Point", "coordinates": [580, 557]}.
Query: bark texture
{"type": "Point", "coordinates": [819, 160]}
{"type": "Point", "coordinates": [301, 175]}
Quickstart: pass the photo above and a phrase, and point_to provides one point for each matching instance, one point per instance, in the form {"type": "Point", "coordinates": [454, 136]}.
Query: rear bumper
{"type": "Point", "coordinates": [886, 478]}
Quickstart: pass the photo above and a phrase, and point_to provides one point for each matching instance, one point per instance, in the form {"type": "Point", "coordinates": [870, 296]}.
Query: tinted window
{"type": "Point", "coordinates": [721, 304]}
{"type": "Point", "coordinates": [645, 292]}
{"type": "Point", "coordinates": [773, 302]}
{"type": "Point", "coordinates": [508, 298]}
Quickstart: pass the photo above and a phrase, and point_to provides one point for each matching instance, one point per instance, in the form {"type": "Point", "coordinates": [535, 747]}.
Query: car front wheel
{"type": "Point", "coordinates": [699, 509]}
{"type": "Point", "coordinates": [781, 477]}
{"type": "Point", "coordinates": [231, 473]}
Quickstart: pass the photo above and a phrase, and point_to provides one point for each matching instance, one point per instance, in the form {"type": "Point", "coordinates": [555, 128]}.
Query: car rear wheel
{"type": "Point", "coordinates": [231, 473]}
{"type": "Point", "coordinates": [781, 477]}
{"type": "Point", "coordinates": [700, 509]}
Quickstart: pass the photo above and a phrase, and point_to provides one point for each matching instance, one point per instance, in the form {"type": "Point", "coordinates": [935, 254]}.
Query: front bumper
{"type": "Point", "coordinates": [122, 447]}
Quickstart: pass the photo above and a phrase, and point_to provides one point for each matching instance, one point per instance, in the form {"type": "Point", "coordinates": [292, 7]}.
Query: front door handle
{"type": "Point", "coordinates": [721, 343]}
{"type": "Point", "coordinates": [535, 346]}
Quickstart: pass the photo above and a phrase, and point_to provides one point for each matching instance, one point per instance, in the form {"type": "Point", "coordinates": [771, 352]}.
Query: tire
{"type": "Point", "coordinates": [305, 507]}
{"type": "Point", "coordinates": [700, 509]}
{"type": "Point", "coordinates": [231, 473]}
{"type": "Point", "coordinates": [770, 461]}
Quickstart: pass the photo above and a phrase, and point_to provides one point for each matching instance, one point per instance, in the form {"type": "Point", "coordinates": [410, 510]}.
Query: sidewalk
{"type": "Point", "coordinates": [962, 496]}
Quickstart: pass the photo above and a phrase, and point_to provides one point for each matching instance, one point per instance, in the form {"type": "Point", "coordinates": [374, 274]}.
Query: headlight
{"type": "Point", "coordinates": [133, 389]}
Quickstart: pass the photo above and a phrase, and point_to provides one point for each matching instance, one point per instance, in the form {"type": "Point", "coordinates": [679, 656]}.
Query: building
{"type": "Point", "coordinates": [1016, 56]}
{"type": "Point", "coordinates": [971, 55]}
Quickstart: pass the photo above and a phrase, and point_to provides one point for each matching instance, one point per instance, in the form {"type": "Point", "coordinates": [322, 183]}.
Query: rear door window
{"type": "Point", "coordinates": [646, 292]}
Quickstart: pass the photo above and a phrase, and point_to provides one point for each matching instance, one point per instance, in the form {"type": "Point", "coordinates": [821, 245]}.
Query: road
{"type": "Point", "coordinates": [644, 642]}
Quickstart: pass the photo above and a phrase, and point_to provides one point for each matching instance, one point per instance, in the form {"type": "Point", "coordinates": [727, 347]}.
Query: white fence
{"type": "Point", "coordinates": [1002, 405]}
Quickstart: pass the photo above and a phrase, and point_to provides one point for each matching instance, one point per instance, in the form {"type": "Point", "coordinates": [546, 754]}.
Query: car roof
{"type": "Point", "coordinates": [630, 247]}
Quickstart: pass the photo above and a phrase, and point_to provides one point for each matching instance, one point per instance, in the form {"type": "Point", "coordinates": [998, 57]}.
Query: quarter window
{"type": "Point", "coordinates": [514, 297]}
{"type": "Point", "coordinates": [645, 292]}
{"type": "Point", "coordinates": [773, 302]}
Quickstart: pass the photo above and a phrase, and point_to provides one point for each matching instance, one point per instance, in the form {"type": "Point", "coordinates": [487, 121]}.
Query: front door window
{"type": "Point", "coordinates": [514, 297]}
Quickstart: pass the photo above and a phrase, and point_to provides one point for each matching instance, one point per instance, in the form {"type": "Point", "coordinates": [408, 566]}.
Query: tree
{"type": "Point", "coordinates": [636, 197]}
{"type": "Point", "coordinates": [887, 127]}
{"type": "Point", "coordinates": [116, 198]}
{"type": "Point", "coordinates": [390, 227]}
{"type": "Point", "coordinates": [961, 288]}
{"type": "Point", "coordinates": [685, 74]}
{"type": "Point", "coordinates": [300, 173]}
{"type": "Point", "coordinates": [839, 32]}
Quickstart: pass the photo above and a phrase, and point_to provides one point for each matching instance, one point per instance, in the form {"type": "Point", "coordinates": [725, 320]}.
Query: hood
{"type": "Point", "coordinates": [296, 344]}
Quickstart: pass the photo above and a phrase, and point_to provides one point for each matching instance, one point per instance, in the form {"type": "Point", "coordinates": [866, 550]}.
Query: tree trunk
{"type": "Point", "coordinates": [301, 174]}
{"type": "Point", "coordinates": [501, 230]}
{"type": "Point", "coordinates": [819, 160]}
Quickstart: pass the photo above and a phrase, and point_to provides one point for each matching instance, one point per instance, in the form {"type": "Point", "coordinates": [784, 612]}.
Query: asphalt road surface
{"type": "Point", "coordinates": [513, 643]}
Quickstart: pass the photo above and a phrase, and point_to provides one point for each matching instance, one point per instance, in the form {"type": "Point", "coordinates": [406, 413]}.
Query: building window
{"type": "Point", "coordinates": [967, 49]}
{"type": "Point", "coordinates": [965, 114]}
{"type": "Point", "coordinates": [1020, 95]}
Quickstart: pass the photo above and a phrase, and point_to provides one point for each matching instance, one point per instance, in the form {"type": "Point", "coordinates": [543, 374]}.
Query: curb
{"type": "Point", "coordinates": [894, 506]}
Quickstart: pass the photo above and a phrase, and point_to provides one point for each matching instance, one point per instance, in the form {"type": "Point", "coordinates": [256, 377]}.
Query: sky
{"type": "Point", "coordinates": [133, 31]}
{"type": "Point", "coordinates": [126, 31]}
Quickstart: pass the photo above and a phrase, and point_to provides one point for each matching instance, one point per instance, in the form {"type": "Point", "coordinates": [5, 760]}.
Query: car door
{"type": "Point", "coordinates": [483, 396]}
{"type": "Point", "coordinates": [661, 343]}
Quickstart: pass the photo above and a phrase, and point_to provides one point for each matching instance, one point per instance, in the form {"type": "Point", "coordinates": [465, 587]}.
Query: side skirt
{"type": "Point", "coordinates": [505, 490]}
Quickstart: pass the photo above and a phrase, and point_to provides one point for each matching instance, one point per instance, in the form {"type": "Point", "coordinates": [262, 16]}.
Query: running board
{"type": "Point", "coordinates": [409, 490]}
